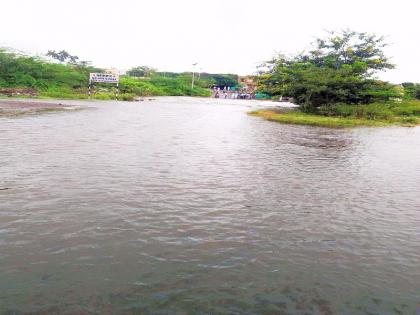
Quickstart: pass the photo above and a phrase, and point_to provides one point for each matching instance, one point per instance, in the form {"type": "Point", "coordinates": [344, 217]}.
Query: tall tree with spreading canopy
{"type": "Point", "coordinates": [340, 68]}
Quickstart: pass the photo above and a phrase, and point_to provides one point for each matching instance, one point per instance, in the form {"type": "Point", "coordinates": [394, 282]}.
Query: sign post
{"type": "Point", "coordinates": [108, 77]}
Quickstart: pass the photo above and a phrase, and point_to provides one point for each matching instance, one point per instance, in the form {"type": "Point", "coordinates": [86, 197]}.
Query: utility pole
{"type": "Point", "coordinates": [192, 81]}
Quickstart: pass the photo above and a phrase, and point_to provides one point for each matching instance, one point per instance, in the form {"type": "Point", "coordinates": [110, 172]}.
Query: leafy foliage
{"type": "Point", "coordinates": [24, 71]}
{"type": "Point", "coordinates": [405, 113]}
{"type": "Point", "coordinates": [69, 80]}
{"type": "Point", "coordinates": [159, 86]}
{"type": "Point", "coordinates": [62, 56]}
{"type": "Point", "coordinates": [338, 70]}
{"type": "Point", "coordinates": [362, 51]}
{"type": "Point", "coordinates": [221, 79]}
{"type": "Point", "coordinates": [411, 90]}
{"type": "Point", "coordinates": [141, 71]}
{"type": "Point", "coordinates": [205, 79]}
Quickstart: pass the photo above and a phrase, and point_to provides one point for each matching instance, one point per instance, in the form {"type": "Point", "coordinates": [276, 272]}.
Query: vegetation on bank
{"type": "Point", "coordinates": [405, 113]}
{"type": "Point", "coordinates": [68, 79]}
{"type": "Point", "coordinates": [334, 84]}
{"type": "Point", "coordinates": [338, 69]}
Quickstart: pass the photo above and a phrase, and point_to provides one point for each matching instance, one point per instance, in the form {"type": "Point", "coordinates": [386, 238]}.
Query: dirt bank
{"type": "Point", "coordinates": [9, 108]}
{"type": "Point", "coordinates": [21, 92]}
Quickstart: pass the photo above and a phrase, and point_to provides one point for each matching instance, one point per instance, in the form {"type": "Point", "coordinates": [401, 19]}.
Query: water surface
{"type": "Point", "coordinates": [189, 206]}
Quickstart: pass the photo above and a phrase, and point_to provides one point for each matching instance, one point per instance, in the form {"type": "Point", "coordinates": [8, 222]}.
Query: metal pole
{"type": "Point", "coordinates": [192, 81]}
{"type": "Point", "coordinates": [116, 93]}
{"type": "Point", "coordinates": [89, 89]}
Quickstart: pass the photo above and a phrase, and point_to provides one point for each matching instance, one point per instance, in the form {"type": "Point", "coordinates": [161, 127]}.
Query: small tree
{"type": "Point", "coordinates": [141, 71]}
{"type": "Point", "coordinates": [62, 56]}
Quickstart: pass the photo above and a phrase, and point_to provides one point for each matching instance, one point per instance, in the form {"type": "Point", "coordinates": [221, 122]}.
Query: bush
{"type": "Point", "coordinates": [374, 111]}
{"type": "Point", "coordinates": [407, 108]}
{"type": "Point", "coordinates": [411, 90]}
{"type": "Point", "coordinates": [126, 97]}
{"type": "Point", "coordinates": [378, 111]}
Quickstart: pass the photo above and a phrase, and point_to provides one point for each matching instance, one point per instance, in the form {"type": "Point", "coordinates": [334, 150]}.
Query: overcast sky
{"type": "Point", "coordinates": [221, 35]}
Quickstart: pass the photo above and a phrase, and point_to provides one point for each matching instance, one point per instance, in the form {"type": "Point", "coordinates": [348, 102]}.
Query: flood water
{"type": "Point", "coordinates": [190, 206]}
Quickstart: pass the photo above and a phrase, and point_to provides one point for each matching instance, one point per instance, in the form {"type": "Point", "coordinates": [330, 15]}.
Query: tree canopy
{"type": "Point", "coordinates": [141, 71]}
{"type": "Point", "coordinates": [338, 69]}
{"type": "Point", "coordinates": [412, 90]}
{"type": "Point", "coordinates": [27, 71]}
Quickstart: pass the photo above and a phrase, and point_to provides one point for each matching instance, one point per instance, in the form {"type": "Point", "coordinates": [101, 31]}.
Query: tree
{"type": "Point", "coordinates": [224, 79]}
{"type": "Point", "coordinates": [62, 56]}
{"type": "Point", "coordinates": [411, 90]}
{"type": "Point", "coordinates": [338, 69]}
{"type": "Point", "coordinates": [350, 48]}
{"type": "Point", "coordinates": [141, 71]}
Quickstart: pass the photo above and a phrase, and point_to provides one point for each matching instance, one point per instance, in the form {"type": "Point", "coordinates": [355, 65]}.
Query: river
{"type": "Point", "coordinates": [190, 206]}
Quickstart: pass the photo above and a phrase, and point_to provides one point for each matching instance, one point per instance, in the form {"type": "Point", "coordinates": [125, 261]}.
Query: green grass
{"type": "Point", "coordinates": [406, 113]}
{"type": "Point", "coordinates": [299, 118]}
{"type": "Point", "coordinates": [71, 95]}
{"type": "Point", "coordinates": [385, 111]}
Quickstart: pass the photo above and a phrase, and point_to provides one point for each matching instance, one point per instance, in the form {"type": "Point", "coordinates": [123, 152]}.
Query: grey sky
{"type": "Point", "coordinates": [222, 36]}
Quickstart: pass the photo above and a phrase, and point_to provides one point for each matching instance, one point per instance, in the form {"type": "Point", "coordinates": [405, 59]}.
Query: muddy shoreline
{"type": "Point", "coordinates": [9, 108]}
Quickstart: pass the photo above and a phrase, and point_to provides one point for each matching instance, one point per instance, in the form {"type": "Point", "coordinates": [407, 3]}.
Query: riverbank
{"type": "Point", "coordinates": [10, 108]}
{"type": "Point", "coordinates": [405, 114]}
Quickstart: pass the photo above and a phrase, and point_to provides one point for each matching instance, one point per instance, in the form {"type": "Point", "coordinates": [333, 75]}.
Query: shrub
{"type": "Point", "coordinates": [379, 111]}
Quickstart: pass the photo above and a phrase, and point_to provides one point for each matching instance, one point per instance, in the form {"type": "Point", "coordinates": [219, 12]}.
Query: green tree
{"type": "Point", "coordinates": [224, 79]}
{"type": "Point", "coordinates": [339, 69]}
{"type": "Point", "coordinates": [363, 50]}
{"type": "Point", "coordinates": [62, 56]}
{"type": "Point", "coordinates": [411, 90]}
{"type": "Point", "coordinates": [141, 71]}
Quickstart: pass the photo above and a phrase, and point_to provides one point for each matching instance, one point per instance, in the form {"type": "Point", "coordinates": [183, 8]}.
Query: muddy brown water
{"type": "Point", "coordinates": [189, 206]}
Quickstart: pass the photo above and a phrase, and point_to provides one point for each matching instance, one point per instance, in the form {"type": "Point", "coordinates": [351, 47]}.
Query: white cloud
{"type": "Point", "coordinates": [223, 36]}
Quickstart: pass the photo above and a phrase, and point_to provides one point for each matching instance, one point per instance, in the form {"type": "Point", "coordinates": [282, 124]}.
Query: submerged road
{"type": "Point", "coordinates": [189, 206]}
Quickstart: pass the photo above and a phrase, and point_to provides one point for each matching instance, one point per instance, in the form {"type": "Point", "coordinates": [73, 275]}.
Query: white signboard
{"type": "Point", "coordinates": [104, 77]}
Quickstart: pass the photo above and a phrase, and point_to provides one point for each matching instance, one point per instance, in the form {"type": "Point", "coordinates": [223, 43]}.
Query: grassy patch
{"type": "Point", "coordinates": [299, 118]}
{"type": "Point", "coordinates": [374, 111]}
{"type": "Point", "coordinates": [342, 116]}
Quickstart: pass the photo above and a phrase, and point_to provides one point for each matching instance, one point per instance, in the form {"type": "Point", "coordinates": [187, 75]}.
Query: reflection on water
{"type": "Point", "coordinates": [190, 206]}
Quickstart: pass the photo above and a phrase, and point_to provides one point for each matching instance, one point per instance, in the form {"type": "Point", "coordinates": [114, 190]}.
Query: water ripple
{"type": "Point", "coordinates": [190, 206]}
